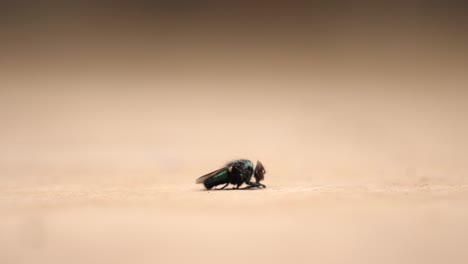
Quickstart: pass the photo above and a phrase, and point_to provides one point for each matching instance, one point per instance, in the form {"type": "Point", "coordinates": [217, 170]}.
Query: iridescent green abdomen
{"type": "Point", "coordinates": [222, 177]}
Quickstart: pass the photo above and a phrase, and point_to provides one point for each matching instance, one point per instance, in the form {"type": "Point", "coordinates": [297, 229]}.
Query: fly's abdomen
{"type": "Point", "coordinates": [220, 178]}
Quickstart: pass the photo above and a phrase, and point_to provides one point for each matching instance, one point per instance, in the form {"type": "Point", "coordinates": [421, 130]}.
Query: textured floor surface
{"type": "Point", "coordinates": [180, 224]}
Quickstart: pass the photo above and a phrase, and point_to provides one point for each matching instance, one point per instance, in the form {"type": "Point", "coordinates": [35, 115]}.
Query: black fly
{"type": "Point", "coordinates": [237, 173]}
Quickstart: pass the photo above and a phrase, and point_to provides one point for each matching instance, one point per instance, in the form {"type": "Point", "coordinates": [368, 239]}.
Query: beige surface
{"type": "Point", "coordinates": [284, 223]}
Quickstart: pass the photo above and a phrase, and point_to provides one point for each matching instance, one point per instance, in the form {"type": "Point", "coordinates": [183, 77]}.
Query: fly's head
{"type": "Point", "coordinates": [259, 172]}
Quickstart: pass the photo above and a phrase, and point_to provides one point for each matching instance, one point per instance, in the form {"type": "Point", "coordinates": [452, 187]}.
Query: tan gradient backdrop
{"type": "Point", "coordinates": [110, 112]}
{"type": "Point", "coordinates": [359, 116]}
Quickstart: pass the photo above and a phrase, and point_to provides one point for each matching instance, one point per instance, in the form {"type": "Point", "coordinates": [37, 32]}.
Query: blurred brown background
{"type": "Point", "coordinates": [332, 90]}
{"type": "Point", "coordinates": [356, 108]}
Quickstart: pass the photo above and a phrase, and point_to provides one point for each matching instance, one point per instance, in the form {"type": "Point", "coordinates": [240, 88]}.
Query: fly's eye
{"type": "Point", "coordinates": [263, 171]}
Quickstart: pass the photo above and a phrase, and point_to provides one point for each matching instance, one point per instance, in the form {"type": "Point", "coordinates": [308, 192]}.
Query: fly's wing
{"type": "Point", "coordinates": [204, 177]}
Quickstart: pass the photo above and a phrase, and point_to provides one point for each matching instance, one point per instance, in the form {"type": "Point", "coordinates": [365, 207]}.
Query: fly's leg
{"type": "Point", "coordinates": [223, 186]}
{"type": "Point", "coordinates": [254, 184]}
